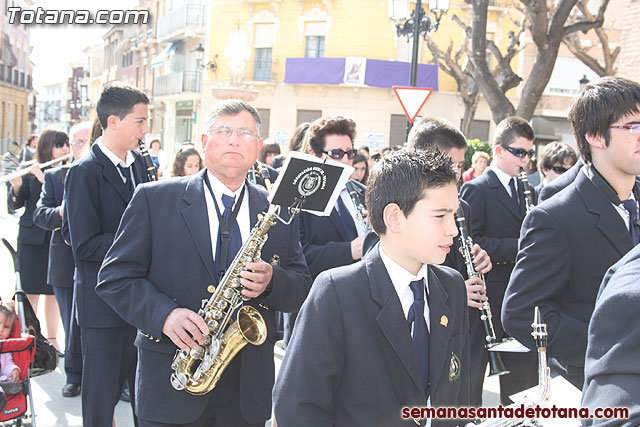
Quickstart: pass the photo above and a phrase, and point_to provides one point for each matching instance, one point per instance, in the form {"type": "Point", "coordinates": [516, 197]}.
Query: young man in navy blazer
{"type": "Point", "coordinates": [163, 262]}
{"type": "Point", "coordinates": [497, 211]}
{"type": "Point", "coordinates": [392, 330]}
{"type": "Point", "coordinates": [568, 242]}
{"type": "Point", "coordinates": [97, 189]}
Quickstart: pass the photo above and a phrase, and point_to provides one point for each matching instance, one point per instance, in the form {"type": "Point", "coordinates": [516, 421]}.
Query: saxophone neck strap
{"type": "Point", "coordinates": [224, 228]}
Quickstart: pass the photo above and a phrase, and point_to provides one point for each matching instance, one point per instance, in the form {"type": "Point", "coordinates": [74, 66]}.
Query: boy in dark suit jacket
{"type": "Point", "coordinates": [497, 211]}
{"type": "Point", "coordinates": [97, 190]}
{"type": "Point", "coordinates": [392, 330]}
{"type": "Point", "coordinates": [568, 242]}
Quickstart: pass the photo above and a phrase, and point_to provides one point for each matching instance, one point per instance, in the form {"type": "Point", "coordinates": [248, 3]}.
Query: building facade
{"type": "Point", "coordinates": [16, 86]}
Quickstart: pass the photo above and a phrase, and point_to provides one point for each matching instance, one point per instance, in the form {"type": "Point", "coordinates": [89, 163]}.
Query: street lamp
{"type": "Point", "coordinates": [584, 81]}
{"type": "Point", "coordinates": [419, 23]}
{"type": "Point", "coordinates": [211, 65]}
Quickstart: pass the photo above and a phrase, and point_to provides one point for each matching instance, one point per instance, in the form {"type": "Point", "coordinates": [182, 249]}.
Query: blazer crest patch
{"type": "Point", "coordinates": [454, 368]}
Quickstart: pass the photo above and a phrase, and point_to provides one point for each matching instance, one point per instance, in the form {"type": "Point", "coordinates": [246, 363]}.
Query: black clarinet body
{"type": "Point", "coordinates": [496, 366]}
{"type": "Point", "coordinates": [526, 189]}
{"type": "Point", "coordinates": [152, 172]}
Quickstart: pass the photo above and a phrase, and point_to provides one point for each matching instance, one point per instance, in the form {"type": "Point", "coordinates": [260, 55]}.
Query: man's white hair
{"type": "Point", "coordinates": [80, 126]}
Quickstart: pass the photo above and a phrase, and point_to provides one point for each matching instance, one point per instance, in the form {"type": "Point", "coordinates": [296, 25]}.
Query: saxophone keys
{"type": "Point", "coordinates": [228, 293]}
{"type": "Point", "coordinates": [235, 282]}
{"type": "Point", "coordinates": [197, 353]}
{"type": "Point", "coordinates": [217, 314]}
{"type": "Point", "coordinates": [222, 304]}
{"type": "Point", "coordinates": [212, 325]}
{"type": "Point", "coordinates": [179, 381]}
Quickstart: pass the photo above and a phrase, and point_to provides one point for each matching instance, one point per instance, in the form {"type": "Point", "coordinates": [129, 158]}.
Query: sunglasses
{"type": "Point", "coordinates": [61, 144]}
{"type": "Point", "coordinates": [519, 152]}
{"type": "Point", "coordinates": [338, 154]}
{"type": "Point", "coordinates": [633, 128]}
{"type": "Point", "coordinates": [559, 169]}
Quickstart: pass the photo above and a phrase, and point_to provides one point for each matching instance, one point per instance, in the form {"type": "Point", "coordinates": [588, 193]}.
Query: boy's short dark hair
{"type": "Point", "coordinates": [511, 128]}
{"type": "Point", "coordinates": [402, 178]}
{"type": "Point", "coordinates": [599, 105]}
{"type": "Point", "coordinates": [433, 132]}
{"type": "Point", "coordinates": [555, 152]}
{"type": "Point", "coordinates": [329, 126]}
{"type": "Point", "coordinates": [118, 99]}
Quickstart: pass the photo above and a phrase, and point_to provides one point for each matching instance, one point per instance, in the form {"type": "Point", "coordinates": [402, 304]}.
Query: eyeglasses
{"type": "Point", "coordinates": [225, 131]}
{"type": "Point", "coordinates": [559, 169]}
{"type": "Point", "coordinates": [634, 128]}
{"type": "Point", "coordinates": [79, 143]}
{"type": "Point", "coordinates": [339, 153]}
{"type": "Point", "coordinates": [519, 152]}
{"type": "Point", "coordinates": [61, 144]}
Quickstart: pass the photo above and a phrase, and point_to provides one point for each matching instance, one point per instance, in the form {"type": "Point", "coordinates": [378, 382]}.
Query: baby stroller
{"type": "Point", "coordinates": [31, 352]}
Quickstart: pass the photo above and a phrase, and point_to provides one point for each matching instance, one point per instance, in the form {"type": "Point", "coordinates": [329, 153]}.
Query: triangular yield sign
{"type": "Point", "coordinates": [412, 99]}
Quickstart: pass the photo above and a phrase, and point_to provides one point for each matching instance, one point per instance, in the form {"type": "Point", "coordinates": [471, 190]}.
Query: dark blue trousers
{"type": "Point", "coordinates": [109, 357]}
{"type": "Point", "coordinates": [72, 345]}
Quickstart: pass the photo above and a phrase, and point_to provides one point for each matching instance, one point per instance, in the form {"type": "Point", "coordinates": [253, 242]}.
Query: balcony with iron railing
{"type": "Point", "coordinates": [174, 83]}
{"type": "Point", "coordinates": [190, 16]}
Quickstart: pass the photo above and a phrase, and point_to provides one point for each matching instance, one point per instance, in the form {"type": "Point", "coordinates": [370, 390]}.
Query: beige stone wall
{"type": "Point", "coordinates": [14, 114]}
{"type": "Point", "coordinates": [628, 63]}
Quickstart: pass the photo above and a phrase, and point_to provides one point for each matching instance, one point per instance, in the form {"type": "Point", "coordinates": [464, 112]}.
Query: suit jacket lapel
{"type": "Point", "coordinates": [257, 203]}
{"type": "Point", "coordinates": [196, 219]}
{"type": "Point", "coordinates": [610, 222]}
{"type": "Point", "coordinates": [139, 170]}
{"type": "Point", "coordinates": [337, 222]}
{"type": "Point", "coordinates": [501, 194]}
{"type": "Point", "coordinates": [391, 318]}
{"type": "Point", "coordinates": [111, 174]}
{"type": "Point", "coordinates": [439, 334]}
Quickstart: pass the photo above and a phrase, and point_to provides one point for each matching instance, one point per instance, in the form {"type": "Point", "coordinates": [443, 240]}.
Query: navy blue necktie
{"type": "Point", "coordinates": [514, 192]}
{"type": "Point", "coordinates": [236, 239]}
{"type": "Point", "coordinates": [420, 330]}
{"type": "Point", "coordinates": [347, 220]}
{"type": "Point", "coordinates": [126, 173]}
{"type": "Point", "coordinates": [630, 206]}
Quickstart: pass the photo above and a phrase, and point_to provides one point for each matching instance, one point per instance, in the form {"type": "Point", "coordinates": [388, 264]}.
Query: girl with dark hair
{"type": "Point", "coordinates": [33, 242]}
{"type": "Point", "coordinates": [361, 165]}
{"type": "Point", "coordinates": [187, 161]}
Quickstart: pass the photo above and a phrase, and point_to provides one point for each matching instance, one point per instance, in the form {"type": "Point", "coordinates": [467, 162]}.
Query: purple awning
{"type": "Point", "coordinates": [378, 73]}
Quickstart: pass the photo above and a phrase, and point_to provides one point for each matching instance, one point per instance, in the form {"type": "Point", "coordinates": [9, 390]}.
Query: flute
{"type": "Point", "coordinates": [22, 172]}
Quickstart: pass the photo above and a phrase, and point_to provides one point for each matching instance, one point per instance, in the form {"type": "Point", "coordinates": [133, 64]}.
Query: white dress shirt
{"type": "Point", "coordinates": [113, 157]}
{"type": "Point", "coordinates": [504, 178]}
{"type": "Point", "coordinates": [401, 279]}
{"type": "Point", "coordinates": [243, 218]}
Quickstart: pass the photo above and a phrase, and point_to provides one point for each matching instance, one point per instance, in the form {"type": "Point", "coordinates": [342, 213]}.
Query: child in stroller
{"type": "Point", "coordinates": [9, 371]}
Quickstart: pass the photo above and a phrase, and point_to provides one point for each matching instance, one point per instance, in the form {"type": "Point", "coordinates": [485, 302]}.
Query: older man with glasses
{"type": "Point", "coordinates": [172, 248]}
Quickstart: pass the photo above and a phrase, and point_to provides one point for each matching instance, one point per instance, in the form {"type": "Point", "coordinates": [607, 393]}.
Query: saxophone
{"type": "Point", "coordinates": [198, 371]}
{"type": "Point", "coordinates": [496, 366]}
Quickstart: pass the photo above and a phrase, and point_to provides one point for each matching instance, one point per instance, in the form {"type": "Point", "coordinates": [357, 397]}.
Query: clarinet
{"type": "Point", "coordinates": [355, 198]}
{"type": "Point", "coordinates": [496, 366]}
{"type": "Point", "coordinates": [526, 189]}
{"type": "Point", "coordinates": [152, 173]}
